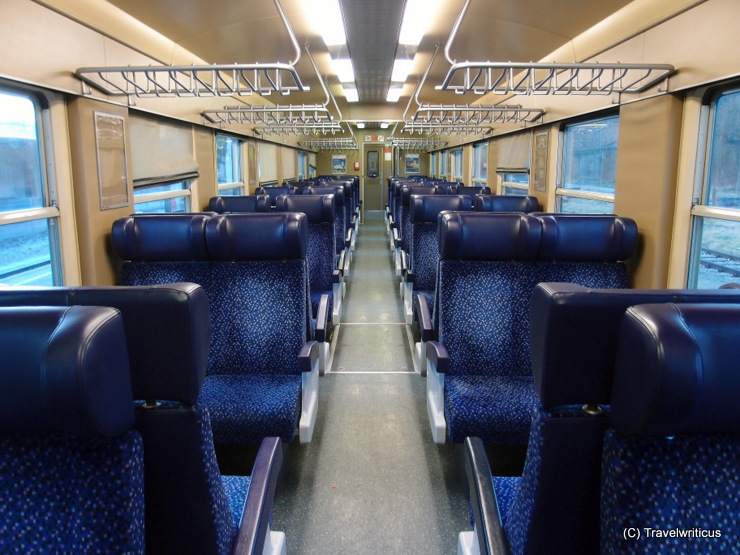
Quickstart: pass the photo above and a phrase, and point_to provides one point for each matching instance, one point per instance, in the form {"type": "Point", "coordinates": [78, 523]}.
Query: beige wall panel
{"type": "Point", "coordinates": [649, 139]}
{"type": "Point", "coordinates": [99, 265]}
{"type": "Point", "coordinates": [205, 154]}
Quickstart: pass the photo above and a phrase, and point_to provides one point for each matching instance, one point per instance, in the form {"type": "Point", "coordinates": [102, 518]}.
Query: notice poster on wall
{"type": "Point", "coordinates": [413, 165]}
{"type": "Point", "coordinates": [339, 163]}
{"type": "Point", "coordinates": [541, 141]}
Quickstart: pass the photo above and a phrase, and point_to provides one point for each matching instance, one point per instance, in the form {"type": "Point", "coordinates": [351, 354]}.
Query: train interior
{"type": "Point", "coordinates": [340, 276]}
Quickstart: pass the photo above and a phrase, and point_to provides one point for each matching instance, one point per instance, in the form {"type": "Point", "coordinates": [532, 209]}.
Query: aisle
{"type": "Point", "coordinates": [372, 480]}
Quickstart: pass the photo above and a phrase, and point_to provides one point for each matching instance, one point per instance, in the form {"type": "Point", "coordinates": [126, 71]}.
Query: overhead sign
{"type": "Point", "coordinates": [374, 138]}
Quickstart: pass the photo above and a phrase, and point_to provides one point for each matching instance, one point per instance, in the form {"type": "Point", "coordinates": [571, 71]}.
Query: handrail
{"type": "Point", "coordinates": [171, 81]}
{"type": "Point", "coordinates": [453, 33]}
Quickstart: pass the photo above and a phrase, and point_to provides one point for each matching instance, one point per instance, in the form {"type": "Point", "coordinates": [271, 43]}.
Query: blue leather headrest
{"type": "Point", "coordinates": [678, 370]}
{"type": "Point", "coordinates": [426, 208]}
{"type": "Point", "coordinates": [275, 192]}
{"type": "Point", "coordinates": [64, 370]}
{"type": "Point", "coordinates": [245, 203]}
{"type": "Point", "coordinates": [167, 327]}
{"type": "Point", "coordinates": [574, 332]}
{"type": "Point", "coordinates": [407, 191]}
{"type": "Point", "coordinates": [161, 237]}
{"type": "Point", "coordinates": [275, 236]}
{"type": "Point", "coordinates": [317, 208]}
{"type": "Point", "coordinates": [469, 191]}
{"type": "Point", "coordinates": [487, 236]}
{"type": "Point", "coordinates": [338, 192]}
{"type": "Point", "coordinates": [506, 203]}
{"type": "Point", "coordinates": [587, 237]}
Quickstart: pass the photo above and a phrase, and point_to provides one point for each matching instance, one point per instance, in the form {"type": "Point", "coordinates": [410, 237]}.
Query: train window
{"type": "Point", "coordinates": [29, 238]}
{"type": "Point", "coordinates": [433, 165]}
{"type": "Point", "coordinates": [515, 183]}
{"type": "Point", "coordinates": [162, 198]}
{"type": "Point", "coordinates": [302, 166]}
{"type": "Point", "coordinates": [589, 166]}
{"type": "Point", "coordinates": [443, 165]}
{"type": "Point", "coordinates": [715, 257]}
{"type": "Point", "coordinates": [480, 164]}
{"type": "Point", "coordinates": [229, 164]}
{"type": "Point", "coordinates": [457, 165]}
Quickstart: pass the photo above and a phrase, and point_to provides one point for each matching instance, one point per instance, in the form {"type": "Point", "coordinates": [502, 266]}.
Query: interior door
{"type": "Point", "coordinates": [373, 178]}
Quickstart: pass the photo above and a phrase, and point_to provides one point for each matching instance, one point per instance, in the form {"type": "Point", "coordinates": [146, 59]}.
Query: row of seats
{"type": "Point", "coordinates": [636, 426]}
{"type": "Point", "coordinates": [476, 339]}
{"type": "Point", "coordinates": [100, 396]}
{"type": "Point", "coordinates": [266, 349]}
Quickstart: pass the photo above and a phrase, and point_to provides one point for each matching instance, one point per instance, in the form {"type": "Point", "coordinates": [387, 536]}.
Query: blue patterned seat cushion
{"type": "Point", "coordinates": [596, 275]}
{"type": "Point", "coordinates": [246, 408]}
{"type": "Point", "coordinates": [237, 489]}
{"type": "Point", "coordinates": [61, 494]}
{"type": "Point", "coordinates": [683, 483]}
{"type": "Point", "coordinates": [498, 409]}
{"type": "Point", "coordinates": [424, 255]}
{"type": "Point", "coordinates": [153, 273]}
{"type": "Point", "coordinates": [505, 488]}
{"type": "Point", "coordinates": [320, 257]}
{"type": "Point", "coordinates": [483, 314]}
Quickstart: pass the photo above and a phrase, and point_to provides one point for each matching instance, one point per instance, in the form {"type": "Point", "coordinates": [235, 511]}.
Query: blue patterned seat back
{"type": "Point", "coordinates": [71, 468]}
{"type": "Point", "coordinates": [672, 460]}
{"type": "Point", "coordinates": [340, 224]}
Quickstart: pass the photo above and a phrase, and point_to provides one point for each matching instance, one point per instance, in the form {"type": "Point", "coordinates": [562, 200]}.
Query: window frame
{"type": "Point", "coordinates": [480, 150]}
{"type": "Point", "coordinates": [701, 210]}
{"type": "Point", "coordinates": [50, 211]}
{"type": "Point", "coordinates": [185, 193]}
{"type": "Point", "coordinates": [560, 191]}
{"type": "Point", "coordinates": [456, 161]}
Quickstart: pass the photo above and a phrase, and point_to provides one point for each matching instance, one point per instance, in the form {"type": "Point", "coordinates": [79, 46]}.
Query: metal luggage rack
{"type": "Point", "coordinates": [421, 143]}
{"type": "Point", "coordinates": [331, 143]}
{"type": "Point", "coordinates": [547, 78]}
{"type": "Point", "coordinates": [199, 81]}
{"type": "Point", "coordinates": [445, 129]}
{"type": "Point", "coordinates": [308, 129]}
{"type": "Point", "coordinates": [476, 115]}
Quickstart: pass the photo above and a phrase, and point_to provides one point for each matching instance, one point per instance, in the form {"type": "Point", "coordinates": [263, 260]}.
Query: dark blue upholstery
{"type": "Point", "coordinates": [319, 210]}
{"type": "Point", "coordinates": [573, 364]}
{"type": "Point", "coordinates": [275, 192]}
{"type": "Point", "coordinates": [404, 218]}
{"type": "Point", "coordinates": [340, 224]}
{"type": "Point", "coordinates": [506, 203]}
{"type": "Point", "coordinates": [71, 468]}
{"type": "Point", "coordinates": [246, 203]}
{"type": "Point", "coordinates": [161, 237]}
{"type": "Point", "coordinates": [257, 287]}
{"type": "Point", "coordinates": [471, 193]}
{"type": "Point", "coordinates": [491, 263]}
{"type": "Point", "coordinates": [672, 461]}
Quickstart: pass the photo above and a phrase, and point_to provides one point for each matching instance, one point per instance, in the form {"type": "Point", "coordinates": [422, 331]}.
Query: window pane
{"type": "Point", "coordinates": [590, 156]}
{"type": "Point", "coordinates": [518, 178]}
{"type": "Point", "coordinates": [227, 159]}
{"type": "Point", "coordinates": [719, 252]}
{"type": "Point", "coordinates": [168, 205]}
{"type": "Point", "coordinates": [152, 189]}
{"type": "Point", "coordinates": [230, 192]}
{"type": "Point", "coordinates": [514, 191]}
{"type": "Point", "coordinates": [21, 182]}
{"type": "Point", "coordinates": [26, 254]}
{"type": "Point", "coordinates": [723, 177]}
{"type": "Point", "coordinates": [576, 205]}
{"type": "Point", "coordinates": [481, 161]}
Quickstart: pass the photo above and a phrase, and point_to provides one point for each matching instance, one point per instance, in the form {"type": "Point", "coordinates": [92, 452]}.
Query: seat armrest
{"type": "Point", "coordinates": [348, 238]}
{"type": "Point", "coordinates": [336, 276]}
{"type": "Point", "coordinates": [437, 354]}
{"type": "Point", "coordinates": [322, 318]}
{"type": "Point", "coordinates": [308, 355]}
{"type": "Point", "coordinates": [487, 520]}
{"type": "Point", "coordinates": [340, 263]}
{"type": "Point", "coordinates": [255, 524]}
{"type": "Point", "coordinates": [426, 327]}
{"type": "Point", "coordinates": [396, 238]}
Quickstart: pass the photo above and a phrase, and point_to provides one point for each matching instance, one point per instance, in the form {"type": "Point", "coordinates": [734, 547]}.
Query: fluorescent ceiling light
{"type": "Point", "coordinates": [350, 93]}
{"type": "Point", "coordinates": [360, 125]}
{"type": "Point", "coordinates": [416, 19]}
{"type": "Point", "coordinates": [394, 93]}
{"type": "Point", "coordinates": [344, 70]}
{"type": "Point", "coordinates": [401, 70]}
{"type": "Point", "coordinates": [326, 17]}
{"type": "Point", "coordinates": [384, 125]}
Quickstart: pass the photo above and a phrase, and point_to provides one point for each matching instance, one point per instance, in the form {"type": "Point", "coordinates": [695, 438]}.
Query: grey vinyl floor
{"type": "Point", "coordinates": [372, 480]}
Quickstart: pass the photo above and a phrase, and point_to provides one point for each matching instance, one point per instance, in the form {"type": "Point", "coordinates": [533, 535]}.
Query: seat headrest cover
{"type": "Point", "coordinates": [161, 237]}
{"type": "Point", "coordinates": [275, 192]}
{"type": "Point", "coordinates": [590, 237]}
{"type": "Point", "coordinates": [407, 191]}
{"type": "Point", "coordinates": [574, 332]}
{"type": "Point", "coordinates": [317, 208]}
{"type": "Point", "coordinates": [65, 370]}
{"type": "Point", "coordinates": [167, 328]}
{"type": "Point", "coordinates": [426, 208]}
{"type": "Point", "coordinates": [338, 192]}
{"type": "Point", "coordinates": [274, 236]}
{"type": "Point", "coordinates": [506, 203]}
{"type": "Point", "coordinates": [677, 370]}
{"type": "Point", "coordinates": [245, 203]}
{"type": "Point", "coordinates": [486, 236]}
{"type": "Point", "coordinates": [470, 191]}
